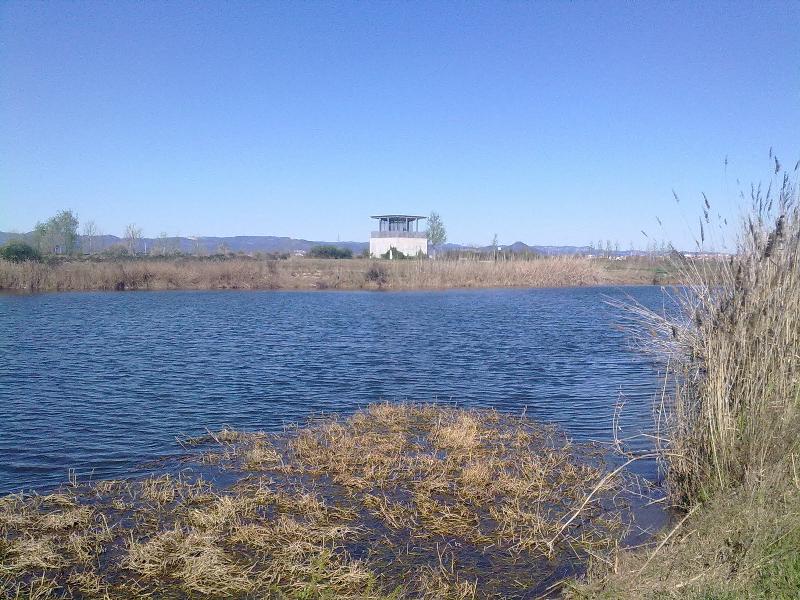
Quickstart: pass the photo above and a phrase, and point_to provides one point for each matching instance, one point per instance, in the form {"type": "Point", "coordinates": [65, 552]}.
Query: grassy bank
{"type": "Point", "coordinates": [306, 274]}
{"type": "Point", "coordinates": [397, 501]}
{"type": "Point", "coordinates": [729, 424]}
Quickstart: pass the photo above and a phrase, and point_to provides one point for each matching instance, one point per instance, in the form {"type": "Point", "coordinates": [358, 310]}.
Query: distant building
{"type": "Point", "coordinates": [400, 232]}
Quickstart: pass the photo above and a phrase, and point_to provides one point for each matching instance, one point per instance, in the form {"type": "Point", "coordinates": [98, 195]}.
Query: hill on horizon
{"type": "Point", "coordinates": [250, 244]}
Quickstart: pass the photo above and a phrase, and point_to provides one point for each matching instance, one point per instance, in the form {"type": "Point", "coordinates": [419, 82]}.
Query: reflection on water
{"type": "Point", "coordinates": [103, 382]}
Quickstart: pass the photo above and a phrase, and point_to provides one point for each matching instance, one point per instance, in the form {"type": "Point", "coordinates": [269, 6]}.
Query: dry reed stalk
{"type": "Point", "coordinates": [306, 274]}
{"type": "Point", "coordinates": [731, 408]}
{"type": "Point", "coordinates": [728, 419]}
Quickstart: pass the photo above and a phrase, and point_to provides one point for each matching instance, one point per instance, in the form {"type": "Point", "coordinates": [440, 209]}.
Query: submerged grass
{"type": "Point", "coordinates": [396, 501]}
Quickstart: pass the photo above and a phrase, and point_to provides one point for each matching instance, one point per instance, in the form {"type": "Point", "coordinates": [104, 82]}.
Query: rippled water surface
{"type": "Point", "coordinates": [103, 382]}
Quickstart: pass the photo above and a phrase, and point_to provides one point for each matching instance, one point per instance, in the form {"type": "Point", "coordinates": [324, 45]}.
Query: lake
{"type": "Point", "coordinates": [102, 383]}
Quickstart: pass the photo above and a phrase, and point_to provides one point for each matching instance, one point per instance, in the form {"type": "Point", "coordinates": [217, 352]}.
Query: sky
{"type": "Point", "coordinates": [552, 123]}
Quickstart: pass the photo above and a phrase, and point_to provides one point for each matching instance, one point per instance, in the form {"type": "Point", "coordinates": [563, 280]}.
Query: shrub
{"type": "Point", "coordinates": [116, 251]}
{"type": "Point", "coordinates": [330, 252]}
{"type": "Point", "coordinates": [377, 274]}
{"type": "Point", "coordinates": [17, 251]}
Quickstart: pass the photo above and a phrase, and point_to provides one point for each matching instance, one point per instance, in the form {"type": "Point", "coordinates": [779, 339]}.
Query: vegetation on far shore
{"type": "Point", "coordinates": [54, 257]}
{"type": "Point", "coordinates": [296, 273]}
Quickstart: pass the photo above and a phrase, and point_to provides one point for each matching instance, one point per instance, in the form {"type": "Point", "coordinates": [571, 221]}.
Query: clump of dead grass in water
{"type": "Point", "coordinates": [399, 499]}
{"type": "Point", "coordinates": [476, 478]}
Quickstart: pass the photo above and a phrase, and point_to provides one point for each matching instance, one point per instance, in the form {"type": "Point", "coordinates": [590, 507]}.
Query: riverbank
{"type": "Point", "coordinates": [397, 501]}
{"type": "Point", "coordinates": [741, 544]}
{"type": "Point", "coordinates": [192, 273]}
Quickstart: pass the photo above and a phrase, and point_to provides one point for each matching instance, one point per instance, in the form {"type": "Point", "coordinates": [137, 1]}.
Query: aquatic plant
{"type": "Point", "coordinates": [396, 501]}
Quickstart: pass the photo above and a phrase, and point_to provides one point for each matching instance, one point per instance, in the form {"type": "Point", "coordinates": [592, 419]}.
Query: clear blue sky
{"type": "Point", "coordinates": [551, 123]}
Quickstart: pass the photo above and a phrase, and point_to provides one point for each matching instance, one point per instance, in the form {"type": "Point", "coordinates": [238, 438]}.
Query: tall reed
{"type": "Point", "coordinates": [301, 273]}
{"type": "Point", "coordinates": [730, 414]}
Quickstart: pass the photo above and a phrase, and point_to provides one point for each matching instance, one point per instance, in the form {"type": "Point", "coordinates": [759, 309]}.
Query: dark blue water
{"type": "Point", "coordinates": [103, 382]}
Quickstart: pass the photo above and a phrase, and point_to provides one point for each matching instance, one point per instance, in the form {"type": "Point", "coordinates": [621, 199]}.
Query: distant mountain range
{"type": "Point", "coordinates": [240, 243]}
{"type": "Point", "coordinates": [267, 243]}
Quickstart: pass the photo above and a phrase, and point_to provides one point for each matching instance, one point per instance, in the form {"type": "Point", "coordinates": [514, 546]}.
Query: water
{"type": "Point", "coordinates": [103, 382]}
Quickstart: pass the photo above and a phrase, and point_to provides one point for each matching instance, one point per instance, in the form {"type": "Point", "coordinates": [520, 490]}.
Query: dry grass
{"type": "Point", "coordinates": [400, 501]}
{"type": "Point", "coordinates": [731, 409]}
{"type": "Point", "coordinates": [729, 422]}
{"type": "Point", "coordinates": [742, 544]}
{"type": "Point", "coordinates": [302, 274]}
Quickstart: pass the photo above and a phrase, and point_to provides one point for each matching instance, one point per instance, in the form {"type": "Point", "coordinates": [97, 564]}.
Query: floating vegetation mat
{"type": "Point", "coordinates": [395, 501]}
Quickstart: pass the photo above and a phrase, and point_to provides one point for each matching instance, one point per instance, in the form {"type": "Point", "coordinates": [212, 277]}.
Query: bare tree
{"type": "Point", "coordinates": [132, 236]}
{"type": "Point", "coordinates": [161, 246]}
{"type": "Point", "coordinates": [90, 234]}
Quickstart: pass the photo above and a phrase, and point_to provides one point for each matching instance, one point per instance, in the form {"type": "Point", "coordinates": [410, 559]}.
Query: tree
{"type": "Point", "coordinates": [132, 236]}
{"type": "Point", "coordinates": [90, 235]}
{"type": "Point", "coordinates": [58, 235]}
{"type": "Point", "coordinates": [19, 251]}
{"type": "Point", "coordinates": [494, 246]}
{"type": "Point", "coordinates": [437, 234]}
{"type": "Point", "coordinates": [161, 247]}
{"type": "Point", "coordinates": [197, 247]}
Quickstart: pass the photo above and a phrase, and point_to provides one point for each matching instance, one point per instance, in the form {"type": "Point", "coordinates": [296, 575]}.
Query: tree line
{"type": "Point", "coordinates": [58, 236]}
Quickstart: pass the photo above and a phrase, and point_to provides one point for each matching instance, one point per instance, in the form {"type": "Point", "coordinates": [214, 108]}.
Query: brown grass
{"type": "Point", "coordinates": [397, 501]}
{"type": "Point", "coordinates": [306, 274]}
{"type": "Point", "coordinates": [731, 409]}
{"type": "Point", "coordinates": [729, 421]}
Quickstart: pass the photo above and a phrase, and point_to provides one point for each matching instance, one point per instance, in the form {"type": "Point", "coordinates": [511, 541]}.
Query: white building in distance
{"type": "Point", "coordinates": [398, 232]}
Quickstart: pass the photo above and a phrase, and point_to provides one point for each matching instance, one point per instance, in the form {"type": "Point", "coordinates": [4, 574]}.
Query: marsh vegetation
{"type": "Point", "coordinates": [167, 273]}
{"type": "Point", "coordinates": [729, 420]}
{"type": "Point", "coordinates": [396, 501]}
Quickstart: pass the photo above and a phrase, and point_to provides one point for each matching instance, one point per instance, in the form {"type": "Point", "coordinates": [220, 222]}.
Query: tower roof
{"type": "Point", "coordinates": [411, 217]}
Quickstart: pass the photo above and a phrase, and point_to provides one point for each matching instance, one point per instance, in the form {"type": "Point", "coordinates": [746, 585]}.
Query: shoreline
{"type": "Point", "coordinates": [302, 274]}
{"type": "Point", "coordinates": [16, 292]}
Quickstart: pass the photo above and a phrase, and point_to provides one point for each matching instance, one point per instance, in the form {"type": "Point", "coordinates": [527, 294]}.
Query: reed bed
{"type": "Point", "coordinates": [305, 274]}
{"type": "Point", "coordinates": [396, 501]}
{"type": "Point", "coordinates": [730, 414]}
{"type": "Point", "coordinates": [729, 419]}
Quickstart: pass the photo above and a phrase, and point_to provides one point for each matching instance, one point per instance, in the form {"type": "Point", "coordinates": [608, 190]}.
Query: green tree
{"type": "Point", "coordinates": [58, 235]}
{"type": "Point", "coordinates": [437, 234]}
